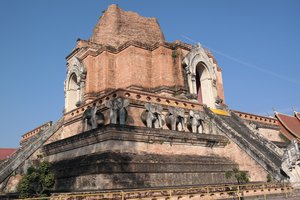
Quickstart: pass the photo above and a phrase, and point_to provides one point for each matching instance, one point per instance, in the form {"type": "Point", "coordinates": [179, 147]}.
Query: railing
{"type": "Point", "coordinates": [243, 143]}
{"type": "Point", "coordinates": [35, 131]}
{"type": "Point", "coordinates": [257, 118]}
{"type": "Point", "coordinates": [256, 136]}
{"type": "Point", "coordinates": [202, 192]}
{"type": "Point", "coordinates": [24, 152]}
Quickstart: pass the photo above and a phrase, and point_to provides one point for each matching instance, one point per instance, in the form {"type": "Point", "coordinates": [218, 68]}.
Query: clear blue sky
{"type": "Point", "coordinates": [255, 42]}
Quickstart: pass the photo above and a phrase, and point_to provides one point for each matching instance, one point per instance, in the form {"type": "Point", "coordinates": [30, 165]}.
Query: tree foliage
{"type": "Point", "coordinates": [240, 176]}
{"type": "Point", "coordinates": [283, 137]}
{"type": "Point", "coordinates": [269, 178]}
{"type": "Point", "coordinates": [37, 182]}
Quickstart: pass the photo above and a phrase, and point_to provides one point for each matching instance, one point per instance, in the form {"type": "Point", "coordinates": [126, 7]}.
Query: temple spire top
{"type": "Point", "coordinates": [117, 27]}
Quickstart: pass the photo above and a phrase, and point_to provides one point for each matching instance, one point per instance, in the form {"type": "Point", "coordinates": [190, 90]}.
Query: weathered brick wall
{"type": "Point", "coordinates": [117, 26]}
{"type": "Point", "coordinates": [271, 134]}
{"type": "Point", "coordinates": [120, 171]}
{"type": "Point", "coordinates": [131, 157]}
{"type": "Point", "coordinates": [136, 67]}
{"type": "Point", "coordinates": [220, 88]}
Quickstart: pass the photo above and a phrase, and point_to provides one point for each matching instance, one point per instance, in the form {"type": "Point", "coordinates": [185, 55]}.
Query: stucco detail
{"type": "Point", "coordinates": [74, 84]}
{"type": "Point", "coordinates": [291, 163]}
{"type": "Point", "coordinates": [208, 78]}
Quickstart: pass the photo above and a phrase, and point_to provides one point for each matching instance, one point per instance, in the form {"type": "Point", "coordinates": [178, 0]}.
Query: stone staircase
{"type": "Point", "coordinates": [267, 154]}
{"type": "Point", "coordinates": [26, 150]}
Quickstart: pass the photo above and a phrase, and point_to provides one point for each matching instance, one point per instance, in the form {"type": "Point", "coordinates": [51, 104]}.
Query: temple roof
{"type": "Point", "coordinates": [117, 27]}
{"type": "Point", "coordinates": [289, 125]}
{"type": "Point", "coordinates": [6, 152]}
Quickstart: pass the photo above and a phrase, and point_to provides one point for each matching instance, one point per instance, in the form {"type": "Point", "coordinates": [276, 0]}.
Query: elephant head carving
{"type": "Point", "coordinates": [175, 118]}
{"type": "Point", "coordinates": [92, 118]}
{"type": "Point", "coordinates": [152, 116]}
{"type": "Point", "coordinates": [118, 113]}
{"type": "Point", "coordinates": [196, 121]}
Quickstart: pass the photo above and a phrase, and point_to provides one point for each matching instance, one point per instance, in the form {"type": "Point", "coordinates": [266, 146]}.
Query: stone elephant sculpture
{"type": "Point", "coordinates": [152, 116]}
{"type": "Point", "coordinates": [175, 118]}
{"type": "Point", "coordinates": [92, 118]}
{"type": "Point", "coordinates": [118, 113]}
{"type": "Point", "coordinates": [196, 121]}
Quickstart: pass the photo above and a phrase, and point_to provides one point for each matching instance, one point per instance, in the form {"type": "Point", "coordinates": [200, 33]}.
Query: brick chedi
{"type": "Point", "coordinates": [129, 51]}
{"type": "Point", "coordinates": [141, 112]}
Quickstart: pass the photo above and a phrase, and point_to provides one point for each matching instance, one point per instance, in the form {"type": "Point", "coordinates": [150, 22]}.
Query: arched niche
{"type": "Point", "coordinates": [72, 92]}
{"type": "Point", "coordinates": [201, 76]}
{"type": "Point", "coordinates": [74, 84]}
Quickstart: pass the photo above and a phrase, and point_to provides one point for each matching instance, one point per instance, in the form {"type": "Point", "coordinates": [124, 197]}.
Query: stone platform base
{"type": "Point", "coordinates": [125, 157]}
{"type": "Point", "coordinates": [113, 170]}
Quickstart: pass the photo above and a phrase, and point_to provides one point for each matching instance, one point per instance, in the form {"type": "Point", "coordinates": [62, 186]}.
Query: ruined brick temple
{"type": "Point", "coordinates": [141, 112]}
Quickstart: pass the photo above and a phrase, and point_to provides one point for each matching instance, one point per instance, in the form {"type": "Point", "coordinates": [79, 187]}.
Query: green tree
{"type": "Point", "coordinates": [283, 137]}
{"type": "Point", "coordinates": [37, 182]}
{"type": "Point", "coordinates": [240, 176]}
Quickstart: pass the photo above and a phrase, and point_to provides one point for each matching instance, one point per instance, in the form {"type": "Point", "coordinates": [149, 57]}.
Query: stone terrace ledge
{"type": "Point", "coordinates": [133, 96]}
{"type": "Point", "coordinates": [134, 134]}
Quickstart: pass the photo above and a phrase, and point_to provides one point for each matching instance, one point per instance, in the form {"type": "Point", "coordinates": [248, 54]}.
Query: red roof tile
{"type": "Point", "coordinates": [5, 153]}
{"type": "Point", "coordinates": [285, 132]}
{"type": "Point", "coordinates": [290, 123]}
